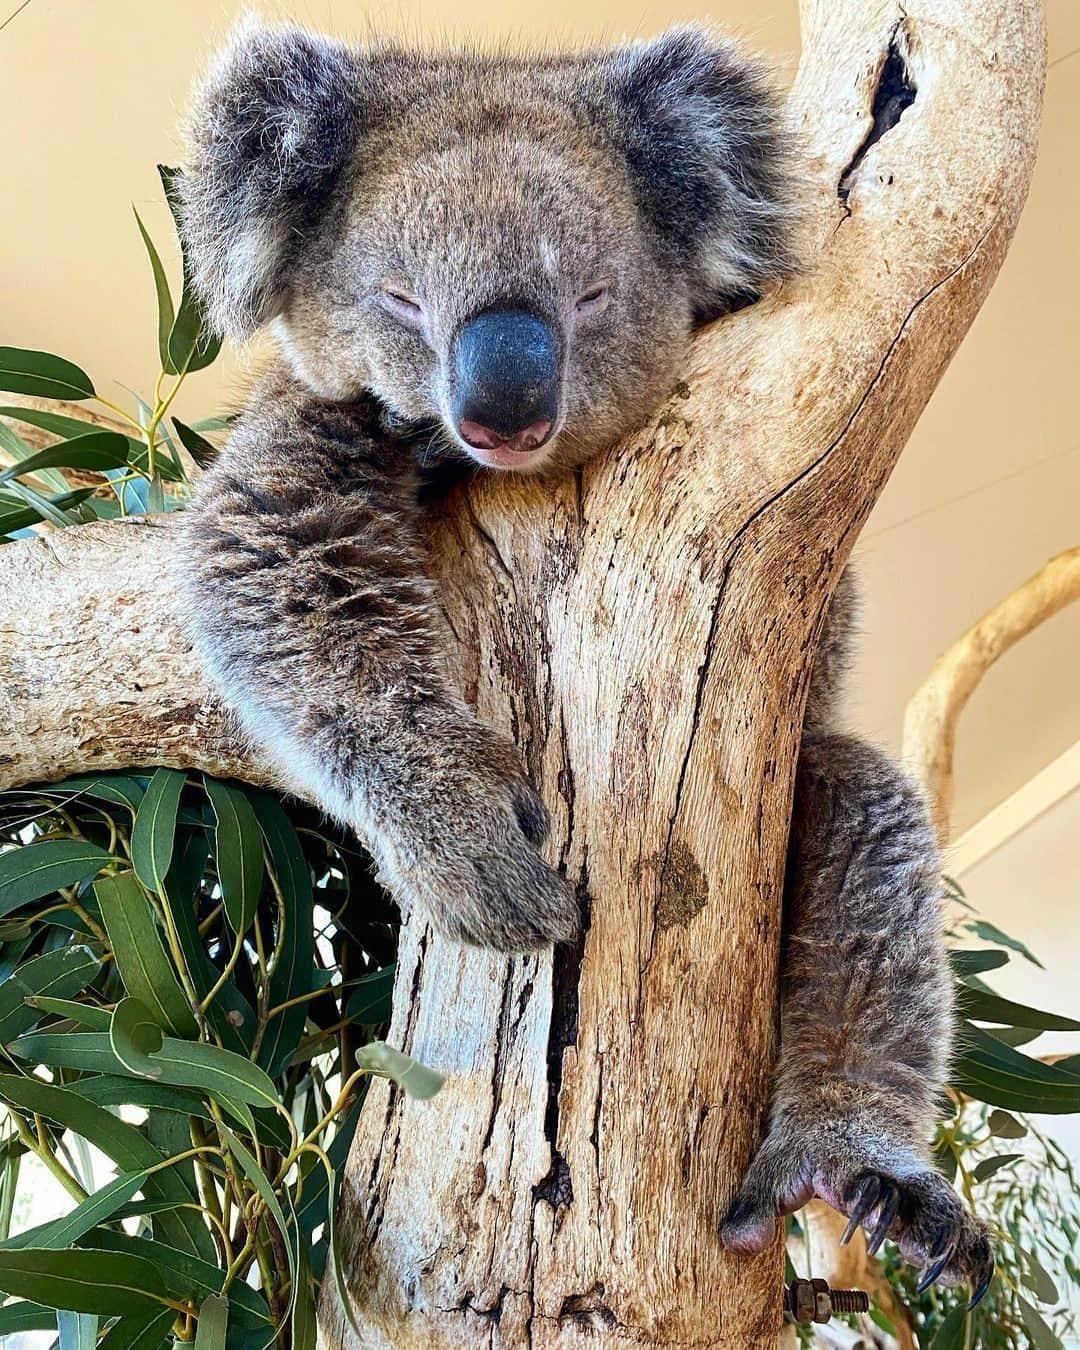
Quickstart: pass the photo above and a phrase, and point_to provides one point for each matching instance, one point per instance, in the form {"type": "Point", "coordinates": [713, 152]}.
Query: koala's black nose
{"type": "Point", "coordinates": [506, 366]}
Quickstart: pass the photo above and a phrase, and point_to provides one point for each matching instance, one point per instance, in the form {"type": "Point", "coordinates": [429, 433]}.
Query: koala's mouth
{"type": "Point", "coordinates": [507, 457]}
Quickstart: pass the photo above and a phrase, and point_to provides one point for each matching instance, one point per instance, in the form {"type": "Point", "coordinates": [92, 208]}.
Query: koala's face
{"type": "Point", "coordinates": [511, 249]}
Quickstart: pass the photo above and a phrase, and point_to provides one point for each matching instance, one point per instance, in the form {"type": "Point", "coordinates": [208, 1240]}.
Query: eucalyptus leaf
{"type": "Point", "coordinates": [24, 371]}
{"type": "Point", "coordinates": [106, 1283]}
{"type": "Point", "coordinates": [987, 1007]}
{"type": "Point", "coordinates": [134, 1036]}
{"type": "Point", "coordinates": [148, 974]}
{"type": "Point", "coordinates": [1042, 1336]}
{"type": "Point", "coordinates": [1006, 1126]}
{"type": "Point", "coordinates": [95, 1209]}
{"type": "Point", "coordinates": [238, 850]}
{"type": "Point", "coordinates": [1037, 1278]}
{"type": "Point", "coordinates": [198, 447]}
{"type": "Point", "coordinates": [952, 1334]}
{"type": "Point", "coordinates": [975, 962]}
{"type": "Point", "coordinates": [989, 1166]}
{"type": "Point", "coordinates": [294, 960]}
{"type": "Point", "coordinates": [213, 1324]}
{"type": "Point", "coordinates": [97, 450]}
{"type": "Point", "coordinates": [991, 933]}
{"type": "Point", "coordinates": [416, 1079]}
{"type": "Point", "coordinates": [140, 1331]}
{"type": "Point", "coordinates": [207, 1068]}
{"type": "Point", "coordinates": [154, 834]}
{"type": "Point", "coordinates": [40, 868]}
{"type": "Point", "coordinates": [23, 517]}
{"type": "Point", "coordinates": [25, 1316]}
{"type": "Point", "coordinates": [59, 973]}
{"type": "Point", "coordinates": [165, 312]}
{"type": "Point", "coordinates": [78, 1331]}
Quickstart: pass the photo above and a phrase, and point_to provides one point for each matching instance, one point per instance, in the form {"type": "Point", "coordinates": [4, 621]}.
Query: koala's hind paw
{"type": "Point", "coordinates": [907, 1202]}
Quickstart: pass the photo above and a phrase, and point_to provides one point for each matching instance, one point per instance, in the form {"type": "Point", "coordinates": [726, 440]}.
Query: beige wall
{"type": "Point", "coordinates": [989, 487]}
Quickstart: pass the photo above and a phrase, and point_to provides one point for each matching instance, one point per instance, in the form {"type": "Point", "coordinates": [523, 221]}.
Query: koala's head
{"type": "Point", "coordinates": [513, 247]}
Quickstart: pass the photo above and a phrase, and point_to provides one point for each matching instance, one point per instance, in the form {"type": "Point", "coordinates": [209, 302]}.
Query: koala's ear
{"type": "Point", "coordinates": [271, 127]}
{"type": "Point", "coordinates": [710, 160]}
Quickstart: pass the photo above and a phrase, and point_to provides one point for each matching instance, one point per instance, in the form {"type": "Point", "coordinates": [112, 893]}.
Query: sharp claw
{"type": "Point", "coordinates": [979, 1293]}
{"type": "Point", "coordinates": [932, 1274]}
{"type": "Point", "coordinates": [867, 1190]}
{"type": "Point", "coordinates": [890, 1207]}
{"type": "Point", "coordinates": [945, 1242]}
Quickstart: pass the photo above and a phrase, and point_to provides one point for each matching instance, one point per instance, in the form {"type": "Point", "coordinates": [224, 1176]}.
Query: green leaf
{"type": "Point", "coordinates": [207, 1068]}
{"type": "Point", "coordinates": [1014, 1035]}
{"type": "Point", "coordinates": [134, 1037]}
{"type": "Point", "coordinates": [952, 1334]}
{"type": "Point", "coordinates": [185, 1276]}
{"type": "Point", "coordinates": [294, 966]}
{"type": "Point", "coordinates": [57, 423]}
{"type": "Point", "coordinates": [95, 1209]}
{"type": "Point", "coordinates": [996, 1073]}
{"type": "Point", "coordinates": [23, 371]}
{"type": "Point", "coordinates": [47, 508]}
{"type": "Point", "coordinates": [304, 1324]}
{"type": "Point", "coordinates": [23, 517]}
{"type": "Point", "coordinates": [1006, 1126]}
{"type": "Point", "coordinates": [371, 1001]}
{"type": "Point", "coordinates": [110, 787]}
{"type": "Point", "coordinates": [192, 345]}
{"type": "Point", "coordinates": [1037, 1278]}
{"type": "Point", "coordinates": [34, 870]}
{"type": "Point", "coordinates": [238, 851]}
{"type": "Point", "coordinates": [165, 313]}
{"type": "Point", "coordinates": [140, 1331]}
{"type": "Point", "coordinates": [124, 1144]}
{"type": "Point", "coordinates": [1042, 1337]}
{"type": "Point", "coordinates": [986, 1007]}
{"type": "Point", "coordinates": [61, 973]}
{"type": "Point", "coordinates": [230, 1015]}
{"type": "Point", "coordinates": [213, 1323]}
{"type": "Point", "coordinates": [154, 834]}
{"type": "Point", "coordinates": [83, 1014]}
{"type": "Point", "coordinates": [25, 1316]}
{"type": "Point", "coordinates": [107, 1283]}
{"type": "Point", "coordinates": [198, 447]}
{"type": "Point", "coordinates": [990, 933]}
{"type": "Point", "coordinates": [965, 963]}
{"type": "Point", "coordinates": [989, 1166]}
{"type": "Point", "coordinates": [260, 1181]}
{"type": "Point", "coordinates": [416, 1079]}
{"type": "Point", "coordinates": [97, 450]}
{"type": "Point", "coordinates": [148, 974]}
{"type": "Point", "coordinates": [78, 1331]}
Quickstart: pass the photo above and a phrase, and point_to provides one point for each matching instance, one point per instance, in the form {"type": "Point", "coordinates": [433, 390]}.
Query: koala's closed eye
{"type": "Point", "coordinates": [403, 304]}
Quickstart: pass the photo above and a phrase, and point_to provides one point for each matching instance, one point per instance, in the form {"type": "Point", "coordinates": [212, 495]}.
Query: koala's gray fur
{"type": "Point", "coordinates": [320, 173]}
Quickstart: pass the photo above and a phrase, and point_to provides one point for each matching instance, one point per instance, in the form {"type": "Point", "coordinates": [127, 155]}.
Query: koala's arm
{"type": "Point", "coordinates": [867, 1006]}
{"type": "Point", "coordinates": [309, 603]}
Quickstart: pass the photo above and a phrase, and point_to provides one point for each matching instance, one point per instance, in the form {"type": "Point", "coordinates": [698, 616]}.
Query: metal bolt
{"type": "Point", "coordinates": [814, 1301]}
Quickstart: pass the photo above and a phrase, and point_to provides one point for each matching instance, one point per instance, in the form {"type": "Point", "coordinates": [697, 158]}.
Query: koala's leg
{"type": "Point", "coordinates": [309, 602]}
{"type": "Point", "coordinates": [866, 1022]}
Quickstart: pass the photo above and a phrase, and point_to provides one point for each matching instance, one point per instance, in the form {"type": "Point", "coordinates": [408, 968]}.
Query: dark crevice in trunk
{"type": "Point", "coordinates": [895, 93]}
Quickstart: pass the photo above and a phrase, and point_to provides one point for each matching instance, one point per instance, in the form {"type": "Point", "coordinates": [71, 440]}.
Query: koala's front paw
{"type": "Point", "coordinates": [874, 1181]}
{"type": "Point", "coordinates": [470, 854]}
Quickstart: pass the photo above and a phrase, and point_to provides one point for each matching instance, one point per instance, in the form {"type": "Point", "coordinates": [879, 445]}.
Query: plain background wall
{"type": "Point", "coordinates": [987, 490]}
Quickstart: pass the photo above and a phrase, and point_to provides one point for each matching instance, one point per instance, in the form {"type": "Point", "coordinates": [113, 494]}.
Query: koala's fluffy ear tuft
{"type": "Point", "coordinates": [702, 127]}
{"type": "Point", "coordinates": [271, 127]}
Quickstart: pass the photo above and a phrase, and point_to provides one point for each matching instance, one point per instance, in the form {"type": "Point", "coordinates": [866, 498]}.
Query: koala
{"type": "Point", "coordinates": [497, 260]}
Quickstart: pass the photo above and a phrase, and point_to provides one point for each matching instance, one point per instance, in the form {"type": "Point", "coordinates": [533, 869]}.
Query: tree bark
{"type": "Point", "coordinates": [645, 629]}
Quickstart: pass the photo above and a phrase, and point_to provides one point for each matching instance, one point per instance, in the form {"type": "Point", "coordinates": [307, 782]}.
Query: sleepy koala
{"type": "Point", "coordinates": [503, 257]}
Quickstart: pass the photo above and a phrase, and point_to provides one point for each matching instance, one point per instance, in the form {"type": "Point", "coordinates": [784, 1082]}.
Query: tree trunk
{"type": "Point", "coordinates": [645, 629]}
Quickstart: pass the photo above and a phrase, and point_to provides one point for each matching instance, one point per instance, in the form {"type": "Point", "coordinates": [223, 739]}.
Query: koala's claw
{"type": "Point", "coordinates": [916, 1209]}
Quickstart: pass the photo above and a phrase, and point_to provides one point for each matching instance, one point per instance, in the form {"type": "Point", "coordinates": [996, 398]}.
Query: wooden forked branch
{"type": "Point", "coordinates": [645, 629]}
{"type": "Point", "coordinates": [933, 712]}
